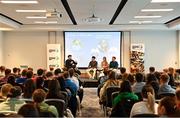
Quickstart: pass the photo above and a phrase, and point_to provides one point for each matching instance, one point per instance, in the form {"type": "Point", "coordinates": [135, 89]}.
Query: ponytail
{"type": "Point", "coordinates": [150, 102]}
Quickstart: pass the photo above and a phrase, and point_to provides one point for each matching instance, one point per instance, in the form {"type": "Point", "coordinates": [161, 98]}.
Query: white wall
{"type": "Point", "coordinates": [25, 48]}
{"type": "Point", "coordinates": [1, 48]}
{"type": "Point", "coordinates": [160, 48]}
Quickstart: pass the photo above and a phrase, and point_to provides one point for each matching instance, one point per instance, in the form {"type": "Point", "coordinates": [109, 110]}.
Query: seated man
{"type": "Point", "coordinates": [113, 64]}
{"type": "Point", "coordinates": [92, 67]}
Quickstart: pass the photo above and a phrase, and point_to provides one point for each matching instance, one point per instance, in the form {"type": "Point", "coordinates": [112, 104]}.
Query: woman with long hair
{"type": "Point", "coordinates": [148, 105]}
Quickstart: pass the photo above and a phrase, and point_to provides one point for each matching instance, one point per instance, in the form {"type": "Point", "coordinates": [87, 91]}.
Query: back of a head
{"type": "Point", "coordinates": [150, 77]}
{"type": "Point", "coordinates": [169, 104]}
{"type": "Point", "coordinates": [71, 72]}
{"type": "Point", "coordinates": [66, 74]}
{"type": "Point", "coordinates": [49, 74]}
{"type": "Point", "coordinates": [29, 88]}
{"type": "Point", "coordinates": [15, 70]}
{"type": "Point", "coordinates": [53, 86]}
{"type": "Point", "coordinates": [123, 70]}
{"type": "Point", "coordinates": [11, 80]}
{"type": "Point", "coordinates": [164, 78]}
{"type": "Point", "coordinates": [29, 74]}
{"type": "Point", "coordinates": [39, 95]}
{"type": "Point", "coordinates": [5, 89]}
{"type": "Point", "coordinates": [171, 70]}
{"type": "Point", "coordinates": [151, 69]}
{"type": "Point", "coordinates": [14, 92]}
{"type": "Point", "coordinates": [57, 71]}
{"type": "Point", "coordinates": [40, 72]}
{"type": "Point", "coordinates": [125, 86]}
{"type": "Point", "coordinates": [112, 75]}
{"type": "Point", "coordinates": [147, 89]}
{"type": "Point", "coordinates": [24, 73]}
{"type": "Point", "coordinates": [28, 110]}
{"type": "Point", "coordinates": [93, 57]}
{"type": "Point", "coordinates": [7, 72]}
{"type": "Point", "coordinates": [139, 77]}
{"type": "Point", "coordinates": [2, 68]}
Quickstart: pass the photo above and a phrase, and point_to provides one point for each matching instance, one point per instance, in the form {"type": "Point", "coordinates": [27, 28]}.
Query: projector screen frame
{"type": "Point", "coordinates": [120, 64]}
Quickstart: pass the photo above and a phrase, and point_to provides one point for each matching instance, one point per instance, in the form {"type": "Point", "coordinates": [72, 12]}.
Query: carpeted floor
{"type": "Point", "coordinates": [90, 103]}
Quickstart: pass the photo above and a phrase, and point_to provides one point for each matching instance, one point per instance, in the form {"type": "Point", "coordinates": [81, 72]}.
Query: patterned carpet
{"type": "Point", "coordinates": [90, 103]}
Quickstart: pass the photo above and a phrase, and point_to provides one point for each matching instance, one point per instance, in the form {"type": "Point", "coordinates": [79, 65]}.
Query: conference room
{"type": "Point", "coordinates": [84, 52]}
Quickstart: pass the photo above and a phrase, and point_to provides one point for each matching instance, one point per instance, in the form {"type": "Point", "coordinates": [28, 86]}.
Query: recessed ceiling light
{"type": "Point", "coordinates": [19, 1]}
{"type": "Point", "coordinates": [140, 22]}
{"type": "Point", "coordinates": [31, 11]}
{"type": "Point", "coordinates": [153, 10]}
{"type": "Point", "coordinates": [36, 17]}
{"type": "Point", "coordinates": [147, 16]}
{"type": "Point", "coordinates": [156, 1]}
{"type": "Point", "coordinates": [45, 22]}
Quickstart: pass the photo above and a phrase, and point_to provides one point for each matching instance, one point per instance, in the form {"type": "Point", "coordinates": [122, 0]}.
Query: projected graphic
{"type": "Point", "coordinates": [83, 45]}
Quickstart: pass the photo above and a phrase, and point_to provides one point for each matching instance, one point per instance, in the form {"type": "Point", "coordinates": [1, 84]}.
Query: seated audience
{"type": "Point", "coordinates": [11, 80]}
{"type": "Point", "coordinates": [54, 90]}
{"type": "Point", "coordinates": [13, 102]}
{"type": "Point", "coordinates": [91, 71]}
{"type": "Point", "coordinates": [164, 87]}
{"type": "Point", "coordinates": [29, 88]}
{"type": "Point", "coordinates": [23, 77]}
{"type": "Point", "coordinates": [5, 89]}
{"type": "Point", "coordinates": [2, 71]}
{"type": "Point", "coordinates": [178, 98]}
{"type": "Point", "coordinates": [7, 73]}
{"type": "Point", "coordinates": [148, 105]}
{"type": "Point", "coordinates": [49, 77]}
{"type": "Point", "coordinates": [39, 96]}
{"type": "Point", "coordinates": [131, 79]}
{"type": "Point", "coordinates": [120, 106]}
{"type": "Point", "coordinates": [60, 78]}
{"type": "Point", "coordinates": [166, 108]}
{"type": "Point", "coordinates": [29, 110]}
{"type": "Point", "coordinates": [15, 72]}
{"type": "Point", "coordinates": [112, 81]}
{"type": "Point", "coordinates": [39, 83]}
{"type": "Point", "coordinates": [171, 74]}
{"type": "Point", "coordinates": [123, 74]}
{"type": "Point", "coordinates": [137, 87]}
{"type": "Point", "coordinates": [155, 86]}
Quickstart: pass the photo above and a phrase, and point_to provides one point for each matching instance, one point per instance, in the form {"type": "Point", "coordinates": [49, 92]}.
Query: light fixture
{"type": "Point", "coordinates": [140, 22]}
{"type": "Point", "coordinates": [19, 1]}
{"type": "Point", "coordinates": [31, 11]}
{"type": "Point", "coordinates": [45, 22]}
{"type": "Point", "coordinates": [157, 1]}
{"type": "Point", "coordinates": [147, 16]}
{"type": "Point", "coordinates": [154, 10]}
{"type": "Point", "coordinates": [36, 17]}
{"type": "Point", "coordinates": [93, 19]}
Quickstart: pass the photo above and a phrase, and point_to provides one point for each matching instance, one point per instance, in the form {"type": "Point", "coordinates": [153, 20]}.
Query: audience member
{"type": "Point", "coordinates": [39, 96]}
{"type": "Point", "coordinates": [28, 110]}
{"type": "Point", "coordinates": [166, 108]}
{"type": "Point", "coordinates": [49, 76]}
{"type": "Point", "coordinates": [2, 71]}
{"type": "Point", "coordinates": [164, 87]}
{"type": "Point", "coordinates": [12, 103]}
{"type": "Point", "coordinates": [5, 89]}
{"type": "Point", "coordinates": [123, 74]}
{"type": "Point", "coordinates": [40, 83]}
{"type": "Point", "coordinates": [29, 88]}
{"type": "Point", "coordinates": [23, 77]}
{"type": "Point", "coordinates": [178, 98]}
{"type": "Point", "coordinates": [137, 87]}
{"type": "Point", "coordinates": [155, 86]}
{"type": "Point", "coordinates": [120, 106]}
{"type": "Point", "coordinates": [60, 78]}
{"type": "Point", "coordinates": [112, 81]}
{"type": "Point", "coordinates": [171, 74]}
{"type": "Point", "coordinates": [91, 71]}
{"type": "Point", "coordinates": [113, 64]}
{"type": "Point", "coordinates": [148, 105]}
{"type": "Point", "coordinates": [15, 72]}
{"type": "Point", "coordinates": [131, 79]}
{"type": "Point", "coordinates": [11, 80]}
{"type": "Point", "coordinates": [7, 73]}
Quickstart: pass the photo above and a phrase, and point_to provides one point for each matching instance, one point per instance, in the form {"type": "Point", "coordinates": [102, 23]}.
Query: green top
{"type": "Point", "coordinates": [124, 95]}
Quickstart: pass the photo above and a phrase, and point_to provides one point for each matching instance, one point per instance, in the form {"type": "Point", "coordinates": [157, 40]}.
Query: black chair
{"type": "Point", "coordinates": [165, 95]}
{"type": "Point", "coordinates": [59, 104]}
{"type": "Point", "coordinates": [145, 115]}
{"type": "Point", "coordinates": [108, 102]}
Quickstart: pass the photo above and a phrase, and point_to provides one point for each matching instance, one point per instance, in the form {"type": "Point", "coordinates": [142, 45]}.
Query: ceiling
{"type": "Point", "coordinates": [115, 15]}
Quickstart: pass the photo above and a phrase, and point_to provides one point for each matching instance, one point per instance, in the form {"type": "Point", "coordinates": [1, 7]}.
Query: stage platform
{"type": "Point", "coordinates": [87, 83]}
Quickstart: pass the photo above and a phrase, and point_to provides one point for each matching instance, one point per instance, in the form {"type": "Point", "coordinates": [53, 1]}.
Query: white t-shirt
{"type": "Point", "coordinates": [141, 108]}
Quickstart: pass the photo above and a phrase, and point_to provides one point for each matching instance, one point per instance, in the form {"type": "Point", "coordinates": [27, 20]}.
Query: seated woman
{"type": "Point", "coordinates": [12, 103]}
{"type": "Point", "coordinates": [39, 96]}
{"type": "Point", "coordinates": [28, 110]}
{"type": "Point", "coordinates": [29, 88]}
{"type": "Point", "coordinates": [112, 81]}
{"type": "Point", "coordinates": [120, 106]}
{"type": "Point", "coordinates": [166, 107]}
{"type": "Point", "coordinates": [148, 105]}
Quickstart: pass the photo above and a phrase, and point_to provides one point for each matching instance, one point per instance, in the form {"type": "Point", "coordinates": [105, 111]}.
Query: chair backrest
{"type": "Point", "coordinates": [145, 115]}
{"type": "Point", "coordinates": [166, 94]}
{"type": "Point", "coordinates": [66, 98]}
{"type": "Point", "coordinates": [59, 104]}
{"type": "Point", "coordinates": [109, 92]}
